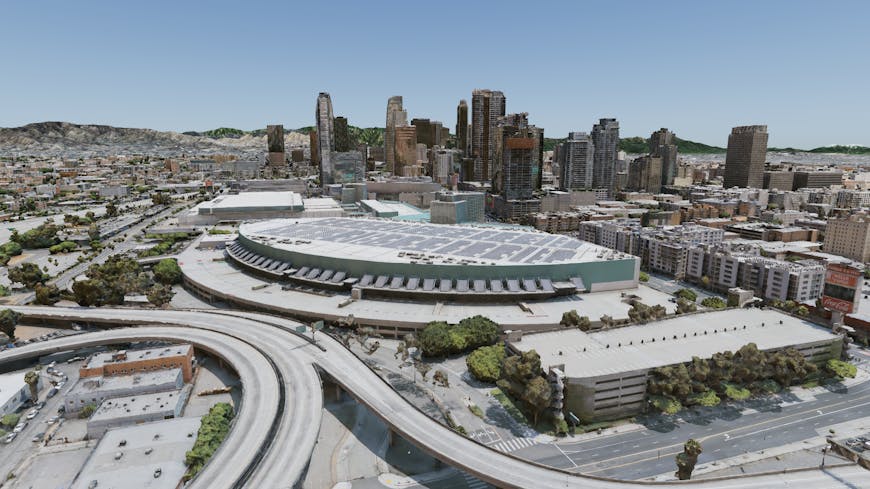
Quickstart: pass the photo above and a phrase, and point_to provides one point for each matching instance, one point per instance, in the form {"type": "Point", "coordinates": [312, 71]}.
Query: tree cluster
{"type": "Point", "coordinates": [571, 319]}
{"type": "Point", "coordinates": [791, 306]}
{"type": "Point", "coordinates": [522, 378]}
{"type": "Point", "coordinates": [28, 274]}
{"type": "Point", "coordinates": [484, 363]}
{"type": "Point", "coordinates": [8, 250]}
{"type": "Point", "coordinates": [685, 306]}
{"type": "Point", "coordinates": [734, 375]}
{"type": "Point", "coordinates": [641, 313]}
{"type": "Point", "coordinates": [62, 247]}
{"type": "Point", "coordinates": [166, 243]}
{"type": "Point", "coordinates": [714, 303]}
{"type": "Point", "coordinates": [687, 294]}
{"type": "Point", "coordinates": [167, 271]}
{"type": "Point", "coordinates": [8, 321]}
{"type": "Point", "coordinates": [687, 459]}
{"type": "Point", "coordinates": [213, 429]}
{"type": "Point", "coordinates": [108, 283]}
{"type": "Point", "coordinates": [439, 339]}
{"type": "Point", "coordinates": [42, 236]}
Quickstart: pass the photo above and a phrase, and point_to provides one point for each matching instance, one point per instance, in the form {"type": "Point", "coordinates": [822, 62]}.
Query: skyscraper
{"type": "Point", "coordinates": [428, 132]}
{"type": "Point", "coordinates": [396, 117]}
{"type": "Point", "coordinates": [486, 107]}
{"type": "Point", "coordinates": [342, 135]}
{"type": "Point", "coordinates": [662, 144]}
{"type": "Point", "coordinates": [645, 173]}
{"type": "Point", "coordinates": [406, 151]}
{"type": "Point", "coordinates": [576, 160]}
{"type": "Point", "coordinates": [744, 162]}
{"type": "Point", "coordinates": [516, 125]}
{"type": "Point", "coordinates": [275, 144]}
{"type": "Point", "coordinates": [325, 137]}
{"type": "Point", "coordinates": [462, 126]}
{"type": "Point", "coordinates": [517, 178]}
{"type": "Point", "coordinates": [605, 138]}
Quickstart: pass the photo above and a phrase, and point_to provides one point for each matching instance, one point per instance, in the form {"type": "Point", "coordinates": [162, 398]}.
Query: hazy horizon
{"type": "Point", "coordinates": [698, 69]}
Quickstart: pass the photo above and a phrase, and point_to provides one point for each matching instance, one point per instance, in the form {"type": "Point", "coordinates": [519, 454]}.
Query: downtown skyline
{"type": "Point", "coordinates": [697, 71]}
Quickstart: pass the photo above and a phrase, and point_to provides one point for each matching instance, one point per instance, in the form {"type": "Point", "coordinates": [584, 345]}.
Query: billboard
{"type": "Point", "coordinates": [842, 288]}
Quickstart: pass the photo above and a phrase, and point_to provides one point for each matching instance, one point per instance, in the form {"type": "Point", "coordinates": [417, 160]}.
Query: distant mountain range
{"type": "Point", "coordinates": [68, 139]}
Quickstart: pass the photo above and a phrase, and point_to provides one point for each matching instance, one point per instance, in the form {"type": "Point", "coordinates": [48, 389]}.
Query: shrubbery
{"type": "Point", "coordinates": [714, 303]}
{"type": "Point", "coordinates": [440, 339]}
{"type": "Point", "coordinates": [63, 247]}
{"type": "Point", "coordinates": [841, 369]}
{"type": "Point", "coordinates": [687, 294]}
{"type": "Point", "coordinates": [733, 375]}
{"type": "Point", "coordinates": [484, 363]}
{"type": "Point", "coordinates": [213, 429]}
{"type": "Point", "coordinates": [42, 236]}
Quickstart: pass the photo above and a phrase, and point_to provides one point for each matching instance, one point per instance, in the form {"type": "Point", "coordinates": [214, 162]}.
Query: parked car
{"type": "Point", "coordinates": [51, 392]}
{"type": "Point", "coordinates": [31, 414]}
{"type": "Point", "coordinates": [10, 437]}
{"type": "Point", "coordinates": [20, 427]}
{"type": "Point", "coordinates": [38, 437]}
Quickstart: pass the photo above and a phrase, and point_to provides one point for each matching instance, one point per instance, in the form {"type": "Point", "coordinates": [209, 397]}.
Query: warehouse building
{"type": "Point", "coordinates": [138, 409]}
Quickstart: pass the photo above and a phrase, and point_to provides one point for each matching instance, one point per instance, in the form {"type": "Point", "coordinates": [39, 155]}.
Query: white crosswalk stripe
{"type": "Point", "coordinates": [513, 444]}
{"type": "Point", "coordinates": [475, 483]}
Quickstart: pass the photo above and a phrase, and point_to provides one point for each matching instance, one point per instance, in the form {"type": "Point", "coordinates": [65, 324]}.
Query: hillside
{"type": "Point", "coordinates": [79, 140]}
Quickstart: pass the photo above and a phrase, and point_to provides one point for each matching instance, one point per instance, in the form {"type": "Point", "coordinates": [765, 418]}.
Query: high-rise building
{"type": "Point", "coordinates": [406, 151]}
{"type": "Point", "coordinates": [486, 107]}
{"type": "Point", "coordinates": [576, 157]}
{"type": "Point", "coordinates": [605, 138]}
{"type": "Point", "coordinates": [325, 137]}
{"type": "Point", "coordinates": [343, 141]}
{"type": "Point", "coordinates": [744, 162]}
{"type": "Point", "coordinates": [275, 145]}
{"type": "Point", "coordinates": [350, 166]}
{"type": "Point", "coordinates": [817, 179]}
{"type": "Point", "coordinates": [662, 144]}
{"type": "Point", "coordinates": [428, 132]}
{"type": "Point", "coordinates": [312, 145]}
{"type": "Point", "coordinates": [396, 117]}
{"type": "Point", "coordinates": [849, 237]}
{"type": "Point", "coordinates": [462, 126]}
{"type": "Point", "coordinates": [517, 162]}
{"type": "Point", "coordinates": [517, 125]}
{"type": "Point", "coordinates": [645, 173]}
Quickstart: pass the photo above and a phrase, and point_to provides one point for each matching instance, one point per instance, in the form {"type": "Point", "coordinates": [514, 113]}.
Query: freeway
{"type": "Point", "coordinates": [288, 446]}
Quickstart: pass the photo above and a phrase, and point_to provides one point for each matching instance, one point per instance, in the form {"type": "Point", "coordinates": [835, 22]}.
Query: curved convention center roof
{"type": "Point", "coordinates": [403, 256]}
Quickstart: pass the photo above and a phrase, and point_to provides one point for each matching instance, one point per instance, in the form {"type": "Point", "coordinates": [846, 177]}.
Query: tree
{"type": "Point", "coordinates": [435, 339]}
{"type": "Point", "coordinates": [484, 363]}
{"type": "Point", "coordinates": [478, 331]}
{"type": "Point", "coordinates": [687, 459]}
{"type": "Point", "coordinates": [28, 274]}
{"type": "Point", "coordinates": [684, 306]}
{"type": "Point", "coordinates": [31, 378]}
{"type": "Point", "coordinates": [714, 303]}
{"type": "Point", "coordinates": [160, 295]}
{"type": "Point", "coordinates": [161, 198]}
{"type": "Point", "coordinates": [111, 209]}
{"type": "Point", "coordinates": [94, 232]}
{"type": "Point", "coordinates": [440, 378]}
{"type": "Point", "coordinates": [705, 281]}
{"type": "Point", "coordinates": [643, 277]}
{"type": "Point", "coordinates": [537, 396]}
{"type": "Point", "coordinates": [167, 271]}
{"type": "Point", "coordinates": [46, 295]}
{"type": "Point", "coordinates": [8, 321]}
{"type": "Point", "coordinates": [97, 292]}
{"type": "Point", "coordinates": [687, 294]}
{"type": "Point", "coordinates": [423, 368]}
{"type": "Point", "coordinates": [570, 319]}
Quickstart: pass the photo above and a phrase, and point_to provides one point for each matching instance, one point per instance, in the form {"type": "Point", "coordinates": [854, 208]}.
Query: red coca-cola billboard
{"type": "Point", "coordinates": [842, 288]}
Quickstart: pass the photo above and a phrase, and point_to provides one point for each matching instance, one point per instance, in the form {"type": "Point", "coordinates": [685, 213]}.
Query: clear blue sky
{"type": "Point", "coordinates": [697, 67]}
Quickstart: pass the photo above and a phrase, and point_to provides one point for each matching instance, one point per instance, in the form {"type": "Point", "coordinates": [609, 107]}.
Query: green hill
{"type": "Point", "coordinates": [639, 145]}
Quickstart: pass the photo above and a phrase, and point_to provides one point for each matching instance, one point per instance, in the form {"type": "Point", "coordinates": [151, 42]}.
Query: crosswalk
{"type": "Point", "coordinates": [474, 483]}
{"type": "Point", "coordinates": [513, 444]}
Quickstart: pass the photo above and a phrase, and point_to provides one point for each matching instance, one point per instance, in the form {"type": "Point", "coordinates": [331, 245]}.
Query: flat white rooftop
{"type": "Point", "coordinates": [669, 341]}
{"type": "Point", "coordinates": [105, 358]}
{"type": "Point", "coordinates": [168, 441]}
{"type": "Point", "coordinates": [404, 242]}
{"type": "Point", "coordinates": [253, 200]}
{"type": "Point", "coordinates": [10, 385]}
{"type": "Point", "coordinates": [132, 406]}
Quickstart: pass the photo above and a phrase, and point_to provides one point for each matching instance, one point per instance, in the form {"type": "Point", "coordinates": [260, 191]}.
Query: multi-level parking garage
{"type": "Point", "coordinates": [417, 260]}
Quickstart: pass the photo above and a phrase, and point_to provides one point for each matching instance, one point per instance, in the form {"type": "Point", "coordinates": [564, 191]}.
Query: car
{"type": "Point", "coordinates": [31, 415]}
{"type": "Point", "coordinates": [40, 405]}
{"type": "Point", "coordinates": [158, 472]}
{"type": "Point", "coordinates": [10, 437]}
{"type": "Point", "coordinates": [38, 437]}
{"type": "Point", "coordinates": [61, 384]}
{"type": "Point", "coordinates": [61, 409]}
{"type": "Point", "coordinates": [51, 392]}
{"type": "Point", "coordinates": [20, 427]}
{"type": "Point", "coordinates": [52, 420]}
{"type": "Point", "coordinates": [93, 484]}
{"type": "Point", "coordinates": [52, 365]}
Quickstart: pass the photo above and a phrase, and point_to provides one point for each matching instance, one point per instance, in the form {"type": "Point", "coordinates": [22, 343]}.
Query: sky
{"type": "Point", "coordinates": [698, 68]}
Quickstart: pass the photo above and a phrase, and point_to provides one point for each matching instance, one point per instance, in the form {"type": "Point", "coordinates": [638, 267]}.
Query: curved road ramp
{"type": "Point", "coordinates": [275, 430]}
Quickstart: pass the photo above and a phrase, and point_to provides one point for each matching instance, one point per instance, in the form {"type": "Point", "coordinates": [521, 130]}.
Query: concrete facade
{"type": "Point", "coordinates": [849, 237]}
{"type": "Point", "coordinates": [744, 161]}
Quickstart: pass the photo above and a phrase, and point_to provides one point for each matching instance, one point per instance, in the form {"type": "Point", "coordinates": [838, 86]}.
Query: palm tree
{"type": "Point", "coordinates": [31, 378]}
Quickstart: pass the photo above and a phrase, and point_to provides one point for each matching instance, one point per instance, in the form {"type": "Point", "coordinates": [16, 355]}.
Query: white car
{"type": "Point", "coordinates": [10, 437]}
{"type": "Point", "coordinates": [20, 427]}
{"type": "Point", "coordinates": [61, 384]}
{"type": "Point", "coordinates": [31, 414]}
